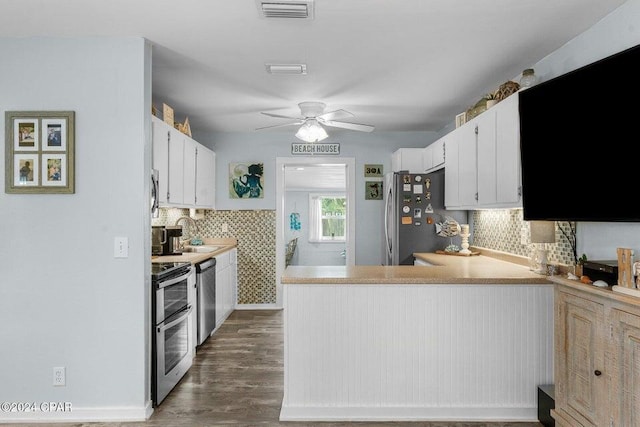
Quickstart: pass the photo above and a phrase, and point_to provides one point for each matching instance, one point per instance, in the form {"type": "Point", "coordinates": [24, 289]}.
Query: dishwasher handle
{"type": "Point", "coordinates": [205, 265]}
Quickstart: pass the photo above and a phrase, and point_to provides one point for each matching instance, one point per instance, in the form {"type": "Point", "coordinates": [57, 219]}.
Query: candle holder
{"type": "Point", "coordinates": [464, 234]}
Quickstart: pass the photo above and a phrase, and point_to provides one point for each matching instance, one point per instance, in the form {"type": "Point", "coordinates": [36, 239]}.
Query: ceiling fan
{"type": "Point", "coordinates": [312, 118]}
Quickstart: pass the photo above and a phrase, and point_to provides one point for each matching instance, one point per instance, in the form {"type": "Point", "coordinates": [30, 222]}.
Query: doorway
{"type": "Point", "coordinates": [301, 182]}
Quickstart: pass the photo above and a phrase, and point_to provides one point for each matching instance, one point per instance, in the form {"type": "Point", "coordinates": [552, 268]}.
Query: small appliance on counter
{"type": "Point", "coordinates": [165, 239]}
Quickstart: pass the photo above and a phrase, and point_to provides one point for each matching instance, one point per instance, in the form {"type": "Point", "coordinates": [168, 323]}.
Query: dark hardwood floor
{"type": "Point", "coordinates": [237, 379]}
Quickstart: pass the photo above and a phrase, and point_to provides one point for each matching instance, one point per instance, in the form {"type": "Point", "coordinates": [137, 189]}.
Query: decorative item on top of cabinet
{"type": "Point", "coordinates": [507, 89]}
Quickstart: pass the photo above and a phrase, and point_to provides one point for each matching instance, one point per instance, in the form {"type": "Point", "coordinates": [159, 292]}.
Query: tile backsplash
{"type": "Point", "coordinates": [501, 230]}
{"type": "Point", "coordinates": [255, 231]}
{"type": "Point", "coordinates": [504, 230]}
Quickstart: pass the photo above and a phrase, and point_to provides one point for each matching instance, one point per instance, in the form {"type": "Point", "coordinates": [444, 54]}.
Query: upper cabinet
{"type": "Point", "coordinates": [488, 160]}
{"type": "Point", "coordinates": [407, 159]}
{"type": "Point", "coordinates": [186, 169]}
{"type": "Point", "coordinates": [433, 156]}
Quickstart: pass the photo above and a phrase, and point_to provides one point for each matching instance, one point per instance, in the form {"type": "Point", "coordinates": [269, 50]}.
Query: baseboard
{"type": "Point", "coordinates": [64, 412]}
{"type": "Point", "coordinates": [258, 307]}
{"type": "Point", "coordinates": [440, 414]}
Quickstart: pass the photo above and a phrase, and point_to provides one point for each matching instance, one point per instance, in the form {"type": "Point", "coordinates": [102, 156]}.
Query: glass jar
{"type": "Point", "coordinates": [528, 78]}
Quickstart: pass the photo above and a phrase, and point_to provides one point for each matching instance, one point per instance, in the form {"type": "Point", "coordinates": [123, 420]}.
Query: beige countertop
{"type": "Point", "coordinates": [447, 269]}
{"type": "Point", "coordinates": [196, 257]}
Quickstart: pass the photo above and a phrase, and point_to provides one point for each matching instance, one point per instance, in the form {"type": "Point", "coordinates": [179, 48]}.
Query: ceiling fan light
{"type": "Point", "coordinates": [311, 131]}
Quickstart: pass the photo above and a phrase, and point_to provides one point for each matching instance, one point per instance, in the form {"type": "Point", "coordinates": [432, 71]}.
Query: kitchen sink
{"type": "Point", "coordinates": [201, 248]}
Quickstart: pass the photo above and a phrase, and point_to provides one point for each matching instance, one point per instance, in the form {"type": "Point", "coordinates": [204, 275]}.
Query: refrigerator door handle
{"type": "Point", "coordinates": [386, 221]}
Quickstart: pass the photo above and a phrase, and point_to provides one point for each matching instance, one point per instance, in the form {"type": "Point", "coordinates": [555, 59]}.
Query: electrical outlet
{"type": "Point", "coordinates": [524, 236]}
{"type": "Point", "coordinates": [225, 227]}
{"type": "Point", "coordinates": [120, 247]}
{"type": "Point", "coordinates": [59, 376]}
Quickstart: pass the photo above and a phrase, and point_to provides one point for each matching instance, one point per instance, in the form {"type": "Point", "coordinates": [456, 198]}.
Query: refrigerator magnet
{"type": "Point", "coordinates": [427, 195]}
{"type": "Point", "coordinates": [406, 179]}
{"type": "Point", "coordinates": [417, 223]}
{"type": "Point", "coordinates": [428, 209]}
{"type": "Point", "coordinates": [407, 220]}
{"type": "Point", "coordinates": [406, 187]}
{"type": "Point", "coordinates": [427, 183]}
{"type": "Point", "coordinates": [429, 220]}
{"type": "Point", "coordinates": [417, 189]}
{"type": "Point", "coordinates": [418, 199]}
{"type": "Point", "coordinates": [417, 213]}
{"type": "Point", "coordinates": [418, 178]}
{"type": "Point", "coordinates": [406, 209]}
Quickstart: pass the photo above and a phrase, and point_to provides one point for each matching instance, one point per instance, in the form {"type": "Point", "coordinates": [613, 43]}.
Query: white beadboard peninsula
{"type": "Point", "coordinates": [468, 338]}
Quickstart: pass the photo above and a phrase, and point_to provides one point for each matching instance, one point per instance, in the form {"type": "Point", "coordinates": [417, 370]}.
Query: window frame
{"type": "Point", "coordinates": [315, 221]}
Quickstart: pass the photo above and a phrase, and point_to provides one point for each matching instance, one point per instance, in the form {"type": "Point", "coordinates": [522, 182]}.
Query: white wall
{"type": "Point", "coordinates": [64, 299]}
{"type": "Point", "coordinates": [265, 146]}
{"type": "Point", "coordinates": [617, 31]}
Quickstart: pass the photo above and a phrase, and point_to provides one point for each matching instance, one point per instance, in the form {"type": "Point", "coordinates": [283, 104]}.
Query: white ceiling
{"type": "Point", "coordinates": [315, 177]}
{"type": "Point", "coordinates": [400, 65]}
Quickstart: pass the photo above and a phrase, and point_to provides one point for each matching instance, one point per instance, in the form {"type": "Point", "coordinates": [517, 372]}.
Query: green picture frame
{"type": "Point", "coordinates": [39, 152]}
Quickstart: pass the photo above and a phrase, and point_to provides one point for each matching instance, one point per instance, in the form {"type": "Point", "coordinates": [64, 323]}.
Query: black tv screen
{"type": "Point", "coordinates": [579, 138]}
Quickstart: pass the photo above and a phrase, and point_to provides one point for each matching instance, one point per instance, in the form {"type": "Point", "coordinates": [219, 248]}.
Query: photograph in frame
{"type": "Point", "coordinates": [54, 170]}
{"type": "Point", "coordinates": [54, 134]}
{"type": "Point", "coordinates": [39, 152]}
{"type": "Point", "coordinates": [25, 170]}
{"type": "Point", "coordinates": [25, 134]}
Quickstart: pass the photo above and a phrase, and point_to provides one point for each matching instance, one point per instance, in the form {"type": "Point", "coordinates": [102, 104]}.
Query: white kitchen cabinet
{"type": "Point", "coordinates": [488, 164]}
{"type": "Point", "coordinates": [205, 177]}
{"type": "Point", "coordinates": [433, 156]}
{"type": "Point", "coordinates": [508, 178]}
{"type": "Point", "coordinates": [189, 171]}
{"type": "Point", "coordinates": [451, 170]}
{"type": "Point", "coordinates": [226, 284]}
{"type": "Point", "coordinates": [186, 168]}
{"type": "Point", "coordinates": [407, 159]}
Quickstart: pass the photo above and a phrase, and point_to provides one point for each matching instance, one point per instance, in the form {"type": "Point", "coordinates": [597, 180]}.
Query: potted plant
{"type": "Point", "coordinates": [491, 99]}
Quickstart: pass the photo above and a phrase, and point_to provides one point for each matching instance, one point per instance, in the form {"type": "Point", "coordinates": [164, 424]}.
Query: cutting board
{"type": "Point", "coordinates": [457, 253]}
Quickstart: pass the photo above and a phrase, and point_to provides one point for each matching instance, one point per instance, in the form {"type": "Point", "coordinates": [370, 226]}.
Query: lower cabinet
{"type": "Point", "coordinates": [226, 285]}
{"type": "Point", "coordinates": [597, 357]}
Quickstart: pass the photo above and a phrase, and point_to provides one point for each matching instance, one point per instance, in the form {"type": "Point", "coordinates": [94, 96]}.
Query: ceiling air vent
{"type": "Point", "coordinates": [286, 68]}
{"type": "Point", "coordinates": [286, 9]}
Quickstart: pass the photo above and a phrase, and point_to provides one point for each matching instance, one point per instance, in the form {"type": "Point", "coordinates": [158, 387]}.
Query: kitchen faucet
{"type": "Point", "coordinates": [190, 222]}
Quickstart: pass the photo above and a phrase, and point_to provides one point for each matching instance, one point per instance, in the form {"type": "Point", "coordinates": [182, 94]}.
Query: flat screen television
{"type": "Point", "coordinates": [579, 139]}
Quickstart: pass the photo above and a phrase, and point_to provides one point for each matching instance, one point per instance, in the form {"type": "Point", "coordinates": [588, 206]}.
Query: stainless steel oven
{"type": "Point", "coordinates": [173, 328]}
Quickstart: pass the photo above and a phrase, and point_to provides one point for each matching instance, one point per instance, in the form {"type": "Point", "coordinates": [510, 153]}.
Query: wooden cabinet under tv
{"type": "Point", "coordinates": [597, 357]}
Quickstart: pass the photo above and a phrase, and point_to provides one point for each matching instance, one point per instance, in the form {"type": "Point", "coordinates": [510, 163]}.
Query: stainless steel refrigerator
{"type": "Point", "coordinates": [414, 204]}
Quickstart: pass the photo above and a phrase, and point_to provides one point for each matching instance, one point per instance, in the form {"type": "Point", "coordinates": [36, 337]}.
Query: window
{"type": "Point", "coordinates": [327, 217]}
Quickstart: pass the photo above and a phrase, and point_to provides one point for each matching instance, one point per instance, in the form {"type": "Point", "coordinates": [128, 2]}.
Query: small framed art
{"type": "Point", "coordinates": [39, 148]}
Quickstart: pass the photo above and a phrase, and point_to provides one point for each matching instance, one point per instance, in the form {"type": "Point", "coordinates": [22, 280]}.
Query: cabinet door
{"type": "Point", "coordinates": [508, 151]}
{"type": "Point", "coordinates": [160, 147]}
{"type": "Point", "coordinates": [580, 378]}
{"type": "Point", "coordinates": [437, 153]}
{"type": "Point", "coordinates": [189, 172]}
{"type": "Point", "coordinates": [409, 159]}
{"type": "Point", "coordinates": [205, 177]}
{"type": "Point", "coordinates": [176, 167]}
{"type": "Point", "coordinates": [467, 164]}
{"type": "Point", "coordinates": [451, 171]}
{"type": "Point", "coordinates": [486, 158]}
{"type": "Point", "coordinates": [427, 158]}
{"type": "Point", "coordinates": [625, 366]}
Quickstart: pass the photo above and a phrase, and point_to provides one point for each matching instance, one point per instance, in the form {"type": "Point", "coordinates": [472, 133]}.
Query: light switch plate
{"type": "Point", "coordinates": [121, 247]}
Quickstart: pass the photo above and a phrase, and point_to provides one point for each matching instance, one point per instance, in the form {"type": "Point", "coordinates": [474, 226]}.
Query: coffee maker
{"type": "Point", "coordinates": [165, 239]}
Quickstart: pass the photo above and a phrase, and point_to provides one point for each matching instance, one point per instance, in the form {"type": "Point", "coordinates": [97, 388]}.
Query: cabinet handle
{"type": "Point", "coordinates": [597, 373]}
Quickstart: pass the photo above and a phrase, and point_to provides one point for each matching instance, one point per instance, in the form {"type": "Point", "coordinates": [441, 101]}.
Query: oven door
{"type": "Point", "coordinates": [172, 296]}
{"type": "Point", "coordinates": [174, 352]}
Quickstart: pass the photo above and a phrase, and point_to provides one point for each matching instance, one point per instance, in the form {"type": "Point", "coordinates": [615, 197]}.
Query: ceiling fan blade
{"type": "Point", "coordinates": [280, 116]}
{"type": "Point", "coordinates": [333, 115]}
{"type": "Point", "coordinates": [282, 125]}
{"type": "Point", "coordinates": [352, 126]}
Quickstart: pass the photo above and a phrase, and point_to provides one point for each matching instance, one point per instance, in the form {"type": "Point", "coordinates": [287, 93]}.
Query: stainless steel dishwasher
{"type": "Point", "coordinates": [206, 298]}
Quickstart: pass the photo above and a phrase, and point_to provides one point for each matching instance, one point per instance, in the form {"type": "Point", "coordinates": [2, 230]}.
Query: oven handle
{"type": "Point", "coordinates": [163, 327]}
{"type": "Point", "coordinates": [165, 283]}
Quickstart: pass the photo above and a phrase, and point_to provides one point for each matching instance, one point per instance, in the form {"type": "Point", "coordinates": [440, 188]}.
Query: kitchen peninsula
{"type": "Point", "coordinates": [466, 338]}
